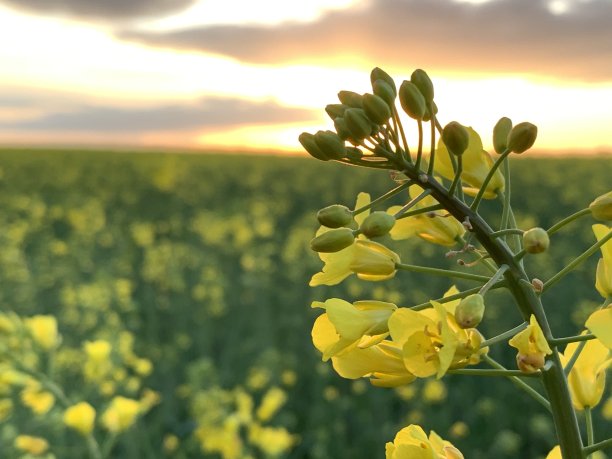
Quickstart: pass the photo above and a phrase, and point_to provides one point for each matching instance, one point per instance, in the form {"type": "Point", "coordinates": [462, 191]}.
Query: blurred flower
{"type": "Point", "coordinates": [39, 401]}
{"type": "Point", "coordinates": [272, 401]}
{"type": "Point", "coordinates": [606, 411]}
{"type": "Point", "coordinates": [121, 414]}
{"type": "Point", "coordinates": [170, 443]}
{"type": "Point", "coordinates": [33, 445]}
{"type": "Point", "coordinates": [289, 377]}
{"type": "Point", "coordinates": [43, 330]}
{"type": "Point", "coordinates": [532, 347]}
{"type": "Point", "coordinates": [6, 408]}
{"type": "Point", "coordinates": [459, 429]}
{"type": "Point", "coordinates": [98, 363]}
{"type": "Point", "coordinates": [603, 279]}
{"type": "Point", "coordinates": [273, 441]}
{"type": "Point", "coordinates": [412, 443]}
{"type": "Point", "coordinates": [80, 417]}
{"type": "Point", "coordinates": [434, 391]}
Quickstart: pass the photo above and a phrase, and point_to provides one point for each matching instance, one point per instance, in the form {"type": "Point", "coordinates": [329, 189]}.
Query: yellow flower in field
{"type": "Point", "coordinates": [43, 330]}
{"type": "Point", "coordinates": [39, 401]}
{"type": "Point", "coordinates": [121, 414]}
{"type": "Point", "coordinates": [33, 445]}
{"type": "Point", "coordinates": [532, 347]}
{"type": "Point", "coordinates": [271, 440]}
{"type": "Point", "coordinates": [607, 409]}
{"type": "Point", "coordinates": [143, 367]}
{"type": "Point", "coordinates": [98, 363]}
{"type": "Point", "coordinates": [603, 277]}
{"type": "Point", "coordinates": [80, 417]}
{"type": "Point", "coordinates": [434, 391]}
{"type": "Point", "coordinates": [6, 408]}
{"type": "Point", "coordinates": [363, 323]}
{"type": "Point", "coordinates": [436, 227]}
{"type": "Point", "coordinates": [149, 399]}
{"type": "Point", "coordinates": [476, 165]}
{"type": "Point", "coordinates": [288, 377]}
{"type": "Point", "coordinates": [600, 324]}
{"type": "Point", "coordinates": [272, 401]}
{"type": "Point", "coordinates": [412, 443]}
{"type": "Point", "coordinates": [587, 379]}
{"type": "Point", "coordinates": [171, 443]}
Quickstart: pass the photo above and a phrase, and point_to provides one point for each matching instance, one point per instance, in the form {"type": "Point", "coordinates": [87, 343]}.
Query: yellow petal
{"type": "Point", "coordinates": [363, 199]}
{"type": "Point", "coordinates": [600, 324]}
{"type": "Point", "coordinates": [420, 355]}
{"type": "Point", "coordinates": [404, 322]}
{"type": "Point", "coordinates": [555, 453]}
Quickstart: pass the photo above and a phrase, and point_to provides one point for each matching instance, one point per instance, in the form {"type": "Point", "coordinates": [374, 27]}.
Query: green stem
{"type": "Point", "coordinates": [568, 368]}
{"type": "Point", "coordinates": [432, 152]}
{"type": "Point", "coordinates": [401, 130]}
{"type": "Point", "coordinates": [457, 178]}
{"type": "Point", "coordinates": [484, 372]}
{"type": "Point", "coordinates": [422, 210]}
{"type": "Point", "coordinates": [441, 272]}
{"type": "Point", "coordinates": [557, 226]}
{"type": "Point", "coordinates": [384, 197]}
{"type": "Point", "coordinates": [507, 231]}
{"type": "Point", "coordinates": [412, 203]}
{"type": "Point", "coordinates": [520, 384]}
{"type": "Point", "coordinates": [456, 296]}
{"type": "Point", "coordinates": [598, 446]}
{"type": "Point", "coordinates": [485, 183]}
{"type": "Point", "coordinates": [504, 336]}
{"type": "Point", "coordinates": [93, 447]}
{"type": "Point", "coordinates": [506, 196]}
{"type": "Point", "coordinates": [494, 278]}
{"type": "Point", "coordinates": [572, 339]}
{"type": "Point", "coordinates": [589, 427]}
{"type": "Point", "coordinates": [586, 254]}
{"type": "Point", "coordinates": [417, 164]}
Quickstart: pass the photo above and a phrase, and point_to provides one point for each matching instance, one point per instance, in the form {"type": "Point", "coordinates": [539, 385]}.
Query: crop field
{"type": "Point", "coordinates": [181, 282]}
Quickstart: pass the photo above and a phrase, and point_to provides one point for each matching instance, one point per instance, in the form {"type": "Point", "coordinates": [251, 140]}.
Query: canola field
{"type": "Point", "coordinates": [157, 306]}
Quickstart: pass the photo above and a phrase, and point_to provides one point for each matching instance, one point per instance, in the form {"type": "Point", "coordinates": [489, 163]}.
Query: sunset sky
{"type": "Point", "coordinates": [238, 74]}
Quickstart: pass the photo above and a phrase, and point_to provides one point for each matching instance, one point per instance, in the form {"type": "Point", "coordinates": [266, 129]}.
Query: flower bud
{"type": "Point", "coordinates": [530, 363]}
{"type": "Point", "coordinates": [342, 129]}
{"type": "Point", "coordinates": [455, 137]}
{"type": "Point", "coordinates": [377, 224]}
{"type": "Point", "coordinates": [470, 311]}
{"type": "Point", "coordinates": [330, 144]}
{"type": "Point", "coordinates": [427, 115]}
{"type": "Point", "coordinates": [376, 109]}
{"type": "Point", "coordinates": [308, 142]}
{"type": "Point", "coordinates": [412, 100]}
{"type": "Point", "coordinates": [535, 240]}
{"type": "Point", "coordinates": [500, 134]}
{"type": "Point", "coordinates": [385, 91]}
{"type": "Point", "coordinates": [353, 153]}
{"type": "Point", "coordinates": [335, 110]}
{"type": "Point", "coordinates": [335, 216]}
{"type": "Point", "coordinates": [601, 207]}
{"type": "Point", "coordinates": [421, 80]}
{"type": "Point", "coordinates": [358, 123]}
{"type": "Point", "coordinates": [333, 240]}
{"type": "Point", "coordinates": [522, 137]}
{"type": "Point", "coordinates": [350, 98]}
{"type": "Point", "coordinates": [378, 74]}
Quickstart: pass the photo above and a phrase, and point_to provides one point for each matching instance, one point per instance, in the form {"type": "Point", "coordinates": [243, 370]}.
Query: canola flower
{"type": "Point", "coordinates": [603, 276]}
{"type": "Point", "coordinates": [413, 443]}
{"type": "Point", "coordinates": [80, 417]}
{"type": "Point", "coordinates": [44, 331]}
{"type": "Point", "coordinates": [32, 445]}
{"type": "Point", "coordinates": [532, 347]}
{"type": "Point", "coordinates": [121, 414]}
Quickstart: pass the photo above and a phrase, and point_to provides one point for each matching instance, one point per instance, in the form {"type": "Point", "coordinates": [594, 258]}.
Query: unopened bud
{"type": "Point", "coordinates": [537, 284]}
{"type": "Point", "coordinates": [330, 144]}
{"type": "Point", "coordinates": [385, 91]}
{"type": "Point", "coordinates": [376, 109]}
{"type": "Point", "coordinates": [423, 82]}
{"type": "Point", "coordinates": [501, 131]}
{"type": "Point", "coordinates": [353, 153]}
{"type": "Point", "coordinates": [455, 137]}
{"type": "Point", "coordinates": [412, 100]}
{"type": "Point", "coordinates": [333, 240]}
{"type": "Point", "coordinates": [535, 240]}
{"type": "Point", "coordinates": [601, 207]}
{"type": "Point", "coordinates": [335, 110]}
{"type": "Point", "coordinates": [470, 311]}
{"type": "Point", "coordinates": [308, 142]}
{"type": "Point", "coordinates": [522, 137]}
{"type": "Point", "coordinates": [341, 128]}
{"type": "Point", "coordinates": [335, 216]}
{"type": "Point", "coordinates": [379, 74]}
{"type": "Point", "coordinates": [377, 224]}
{"type": "Point", "coordinates": [530, 363]}
{"type": "Point", "coordinates": [350, 98]}
{"type": "Point", "coordinates": [427, 115]}
{"type": "Point", "coordinates": [358, 123]}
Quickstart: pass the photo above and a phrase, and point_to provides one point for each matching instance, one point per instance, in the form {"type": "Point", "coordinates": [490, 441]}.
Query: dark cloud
{"type": "Point", "coordinates": [101, 9]}
{"type": "Point", "coordinates": [217, 113]}
{"type": "Point", "coordinates": [510, 36]}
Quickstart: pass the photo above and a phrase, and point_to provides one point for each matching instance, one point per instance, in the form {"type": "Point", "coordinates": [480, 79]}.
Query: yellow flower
{"type": "Point", "coordinates": [80, 417]}
{"type": "Point", "coordinates": [476, 165]}
{"type": "Point", "coordinates": [555, 453]}
{"type": "Point", "coordinates": [434, 391]}
{"type": "Point", "coordinates": [121, 414]}
{"type": "Point", "coordinates": [271, 440]}
{"type": "Point", "coordinates": [532, 347]}
{"type": "Point", "coordinates": [436, 227]}
{"type": "Point", "coordinates": [344, 324]}
{"type": "Point", "coordinates": [587, 379]}
{"type": "Point", "coordinates": [603, 277]}
{"type": "Point", "coordinates": [6, 408]}
{"type": "Point", "coordinates": [600, 324]}
{"type": "Point", "coordinates": [43, 330]}
{"type": "Point", "coordinates": [170, 443]}
{"type": "Point", "coordinates": [33, 445]}
{"type": "Point", "coordinates": [412, 443]}
{"type": "Point", "coordinates": [40, 402]}
{"type": "Point", "coordinates": [272, 401]}
{"type": "Point", "coordinates": [98, 363]}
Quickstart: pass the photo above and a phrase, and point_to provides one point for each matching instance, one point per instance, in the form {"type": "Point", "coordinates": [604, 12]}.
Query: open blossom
{"type": "Point", "coordinates": [80, 417]}
{"type": "Point", "coordinates": [532, 347]}
{"type": "Point", "coordinates": [412, 443]}
{"type": "Point", "coordinates": [603, 276]}
{"type": "Point", "coordinates": [43, 330]}
{"type": "Point", "coordinates": [121, 414]}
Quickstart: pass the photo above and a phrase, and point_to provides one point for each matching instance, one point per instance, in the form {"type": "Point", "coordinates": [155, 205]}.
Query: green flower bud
{"type": "Point", "coordinates": [383, 90]}
{"type": "Point", "coordinates": [535, 240]}
{"type": "Point", "coordinates": [522, 137]}
{"type": "Point", "coordinates": [333, 240]}
{"type": "Point", "coordinates": [427, 115]}
{"type": "Point", "coordinates": [601, 207]}
{"type": "Point", "coordinates": [500, 134]}
{"type": "Point", "coordinates": [412, 100]}
{"type": "Point", "coordinates": [376, 109]}
{"type": "Point", "coordinates": [421, 80]}
{"type": "Point", "coordinates": [308, 142]}
{"type": "Point", "coordinates": [455, 137]}
{"type": "Point", "coordinates": [353, 153]}
{"type": "Point", "coordinates": [377, 224]}
{"type": "Point", "coordinates": [358, 123]}
{"type": "Point", "coordinates": [470, 311]}
{"type": "Point", "coordinates": [350, 98]}
{"type": "Point", "coordinates": [341, 128]}
{"type": "Point", "coordinates": [335, 216]}
{"type": "Point", "coordinates": [378, 74]}
{"type": "Point", "coordinates": [335, 110]}
{"type": "Point", "coordinates": [330, 144]}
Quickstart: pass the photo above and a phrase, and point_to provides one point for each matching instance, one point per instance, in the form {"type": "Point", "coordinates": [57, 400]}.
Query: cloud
{"type": "Point", "coordinates": [101, 9]}
{"type": "Point", "coordinates": [510, 36]}
{"type": "Point", "coordinates": [210, 113]}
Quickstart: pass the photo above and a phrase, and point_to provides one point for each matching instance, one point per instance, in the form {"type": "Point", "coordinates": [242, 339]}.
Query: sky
{"type": "Point", "coordinates": [238, 74]}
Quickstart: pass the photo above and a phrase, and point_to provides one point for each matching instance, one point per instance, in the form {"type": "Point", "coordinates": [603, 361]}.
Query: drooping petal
{"type": "Point", "coordinates": [600, 324]}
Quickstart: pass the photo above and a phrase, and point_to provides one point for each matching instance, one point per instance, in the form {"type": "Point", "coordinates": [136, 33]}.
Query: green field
{"type": "Point", "coordinates": [203, 260]}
